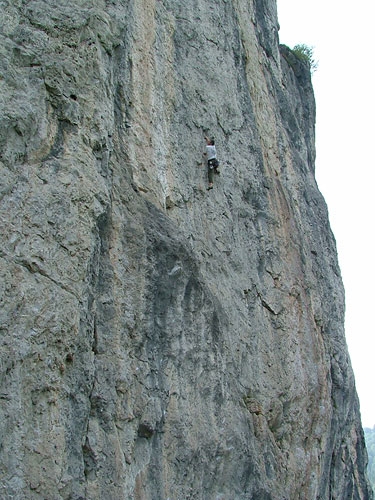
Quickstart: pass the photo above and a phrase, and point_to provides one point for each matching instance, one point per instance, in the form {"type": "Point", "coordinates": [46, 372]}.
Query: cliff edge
{"type": "Point", "coordinates": [158, 340]}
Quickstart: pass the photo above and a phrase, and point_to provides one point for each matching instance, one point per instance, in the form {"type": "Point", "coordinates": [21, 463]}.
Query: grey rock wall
{"type": "Point", "coordinates": [159, 341]}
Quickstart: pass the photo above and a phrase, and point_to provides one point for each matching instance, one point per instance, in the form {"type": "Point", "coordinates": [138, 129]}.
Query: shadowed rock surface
{"type": "Point", "coordinates": [159, 341]}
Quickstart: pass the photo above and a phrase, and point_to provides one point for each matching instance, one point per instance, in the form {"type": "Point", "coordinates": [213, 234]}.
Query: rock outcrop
{"type": "Point", "coordinates": [159, 341]}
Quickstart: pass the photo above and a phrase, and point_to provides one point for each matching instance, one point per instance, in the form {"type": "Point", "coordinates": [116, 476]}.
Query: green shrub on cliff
{"type": "Point", "coordinates": [305, 53]}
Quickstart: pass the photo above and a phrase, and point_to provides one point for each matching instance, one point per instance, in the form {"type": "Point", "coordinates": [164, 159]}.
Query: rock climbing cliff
{"type": "Point", "coordinates": [158, 340]}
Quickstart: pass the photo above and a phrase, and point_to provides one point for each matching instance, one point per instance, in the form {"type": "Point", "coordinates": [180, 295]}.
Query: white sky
{"type": "Point", "coordinates": [342, 35]}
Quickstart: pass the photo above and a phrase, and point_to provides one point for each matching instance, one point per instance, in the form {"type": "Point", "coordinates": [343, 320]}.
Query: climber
{"type": "Point", "coordinates": [212, 162]}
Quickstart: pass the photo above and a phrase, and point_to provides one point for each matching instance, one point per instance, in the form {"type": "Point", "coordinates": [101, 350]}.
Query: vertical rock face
{"type": "Point", "coordinates": [159, 341]}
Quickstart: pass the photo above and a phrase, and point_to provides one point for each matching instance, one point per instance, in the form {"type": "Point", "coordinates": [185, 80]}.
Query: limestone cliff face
{"type": "Point", "coordinates": [159, 341]}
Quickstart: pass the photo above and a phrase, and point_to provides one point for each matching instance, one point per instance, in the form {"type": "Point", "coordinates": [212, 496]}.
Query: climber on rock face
{"type": "Point", "coordinates": [212, 162]}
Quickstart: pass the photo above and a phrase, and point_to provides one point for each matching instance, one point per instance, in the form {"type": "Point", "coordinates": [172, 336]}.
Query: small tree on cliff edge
{"type": "Point", "coordinates": [306, 53]}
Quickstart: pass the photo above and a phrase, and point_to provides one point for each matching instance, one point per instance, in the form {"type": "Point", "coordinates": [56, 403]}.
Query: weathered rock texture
{"type": "Point", "coordinates": [159, 341]}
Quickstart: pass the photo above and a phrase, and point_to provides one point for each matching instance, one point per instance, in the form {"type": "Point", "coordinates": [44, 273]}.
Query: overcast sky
{"type": "Point", "coordinates": [342, 34]}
